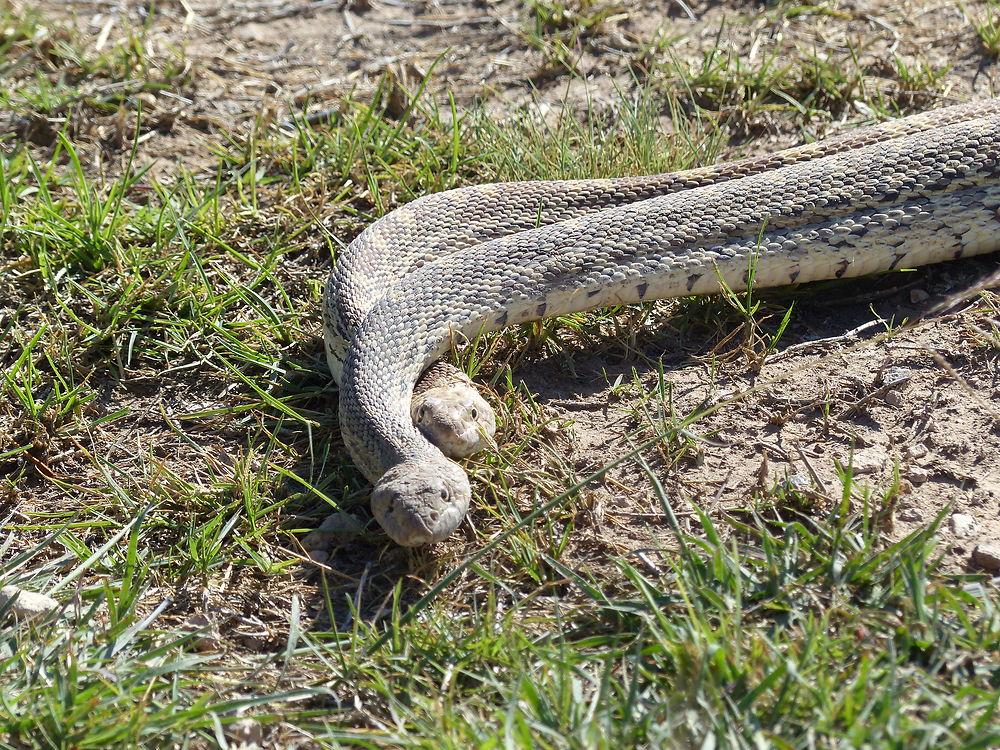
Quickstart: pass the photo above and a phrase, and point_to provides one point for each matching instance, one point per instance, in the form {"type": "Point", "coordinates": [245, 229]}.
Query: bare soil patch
{"type": "Point", "coordinates": [914, 417]}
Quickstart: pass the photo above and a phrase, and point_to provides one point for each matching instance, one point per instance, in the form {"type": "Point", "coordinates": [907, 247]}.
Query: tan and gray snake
{"type": "Point", "coordinates": [905, 193]}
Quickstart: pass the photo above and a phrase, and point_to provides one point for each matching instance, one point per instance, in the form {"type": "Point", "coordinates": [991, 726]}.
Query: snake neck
{"type": "Point", "coordinates": [374, 405]}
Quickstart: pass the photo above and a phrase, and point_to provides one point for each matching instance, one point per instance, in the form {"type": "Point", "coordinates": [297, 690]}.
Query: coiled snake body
{"type": "Point", "coordinates": [905, 193]}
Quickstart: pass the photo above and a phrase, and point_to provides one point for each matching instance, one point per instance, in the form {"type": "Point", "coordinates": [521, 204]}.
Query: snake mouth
{"type": "Point", "coordinates": [455, 418]}
{"type": "Point", "coordinates": [421, 503]}
{"type": "Point", "coordinates": [471, 440]}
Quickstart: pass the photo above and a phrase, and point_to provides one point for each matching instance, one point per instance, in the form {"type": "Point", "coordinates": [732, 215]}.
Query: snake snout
{"type": "Point", "coordinates": [421, 503]}
{"type": "Point", "coordinates": [455, 418]}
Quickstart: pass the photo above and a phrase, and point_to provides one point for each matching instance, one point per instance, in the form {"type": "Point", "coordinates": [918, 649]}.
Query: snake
{"type": "Point", "coordinates": [453, 265]}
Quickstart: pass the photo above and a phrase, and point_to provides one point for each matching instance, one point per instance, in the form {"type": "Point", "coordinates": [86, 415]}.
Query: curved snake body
{"type": "Point", "coordinates": [446, 406]}
{"type": "Point", "coordinates": [906, 193]}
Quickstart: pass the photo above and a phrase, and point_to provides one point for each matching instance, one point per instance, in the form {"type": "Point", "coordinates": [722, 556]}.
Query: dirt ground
{"type": "Point", "coordinates": [925, 400]}
{"type": "Point", "coordinates": [267, 60]}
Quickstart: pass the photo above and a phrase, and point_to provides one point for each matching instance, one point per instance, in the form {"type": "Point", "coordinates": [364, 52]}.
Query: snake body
{"type": "Point", "coordinates": [905, 193]}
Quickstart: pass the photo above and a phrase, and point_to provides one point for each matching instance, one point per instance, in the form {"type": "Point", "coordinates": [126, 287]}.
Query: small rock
{"type": "Point", "coordinates": [987, 556]}
{"type": "Point", "coordinates": [917, 450]}
{"type": "Point", "coordinates": [27, 605]}
{"type": "Point", "coordinates": [917, 474]}
{"type": "Point", "coordinates": [893, 398]}
{"type": "Point", "coordinates": [251, 32]}
{"type": "Point", "coordinates": [918, 295]}
{"type": "Point", "coordinates": [320, 556]}
{"type": "Point", "coordinates": [866, 464]}
{"type": "Point", "coordinates": [963, 524]}
{"type": "Point", "coordinates": [208, 640]}
{"type": "Point", "coordinates": [897, 375]}
{"type": "Point", "coordinates": [246, 733]}
{"type": "Point", "coordinates": [911, 515]}
{"type": "Point", "coordinates": [797, 483]}
{"type": "Point", "coordinates": [336, 529]}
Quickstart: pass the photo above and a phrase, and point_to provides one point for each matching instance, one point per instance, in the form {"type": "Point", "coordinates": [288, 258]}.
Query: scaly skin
{"type": "Point", "coordinates": [920, 198]}
{"type": "Point", "coordinates": [439, 224]}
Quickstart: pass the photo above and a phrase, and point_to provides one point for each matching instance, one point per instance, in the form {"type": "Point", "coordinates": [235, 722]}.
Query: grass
{"type": "Point", "coordinates": [168, 432]}
{"type": "Point", "coordinates": [987, 28]}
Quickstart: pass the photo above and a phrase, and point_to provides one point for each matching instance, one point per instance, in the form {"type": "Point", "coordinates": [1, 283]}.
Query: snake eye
{"type": "Point", "coordinates": [444, 495]}
{"type": "Point", "coordinates": [475, 413]}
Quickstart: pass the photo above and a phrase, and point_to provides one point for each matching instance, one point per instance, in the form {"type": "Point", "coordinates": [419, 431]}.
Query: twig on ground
{"type": "Point", "coordinates": [854, 407]}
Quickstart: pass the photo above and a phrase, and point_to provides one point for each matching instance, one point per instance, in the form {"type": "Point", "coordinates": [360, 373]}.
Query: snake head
{"type": "Point", "coordinates": [421, 503]}
{"type": "Point", "coordinates": [455, 418]}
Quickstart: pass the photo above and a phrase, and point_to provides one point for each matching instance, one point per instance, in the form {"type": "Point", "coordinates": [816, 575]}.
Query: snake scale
{"type": "Point", "coordinates": [908, 192]}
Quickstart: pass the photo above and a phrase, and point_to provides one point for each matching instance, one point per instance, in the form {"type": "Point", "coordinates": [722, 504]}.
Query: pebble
{"type": "Point", "coordinates": [336, 529]}
{"type": "Point", "coordinates": [797, 483]}
{"type": "Point", "coordinates": [320, 556]}
{"type": "Point", "coordinates": [208, 641]}
{"type": "Point", "coordinates": [246, 733]}
{"type": "Point", "coordinates": [893, 375]}
{"type": "Point", "coordinates": [963, 524]}
{"type": "Point", "coordinates": [864, 464]}
{"type": "Point", "coordinates": [28, 604]}
{"type": "Point", "coordinates": [987, 556]}
{"type": "Point", "coordinates": [917, 474]}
